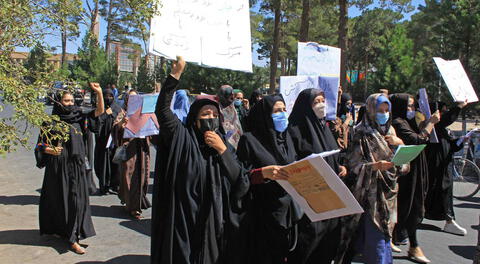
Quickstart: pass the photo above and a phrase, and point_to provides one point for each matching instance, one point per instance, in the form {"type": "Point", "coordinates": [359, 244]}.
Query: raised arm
{"type": "Point", "coordinates": [166, 118]}
{"type": "Point", "coordinates": [100, 105]}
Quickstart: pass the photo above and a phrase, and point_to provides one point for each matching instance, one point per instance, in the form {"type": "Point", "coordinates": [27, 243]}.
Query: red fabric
{"type": "Point", "coordinates": [256, 176]}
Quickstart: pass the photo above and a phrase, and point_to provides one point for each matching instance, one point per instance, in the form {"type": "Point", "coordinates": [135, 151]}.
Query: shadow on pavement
{"type": "Point", "coordinates": [125, 259]}
{"type": "Point", "coordinates": [471, 199]}
{"type": "Point", "coordinates": [464, 251]}
{"type": "Point", "coordinates": [29, 237]}
{"type": "Point", "coordinates": [141, 226]}
{"type": "Point", "coordinates": [115, 211]}
{"type": "Point", "coordinates": [150, 188]}
{"type": "Point", "coordinates": [468, 205]}
{"type": "Point", "coordinates": [424, 226]}
{"type": "Point", "coordinates": [20, 200]}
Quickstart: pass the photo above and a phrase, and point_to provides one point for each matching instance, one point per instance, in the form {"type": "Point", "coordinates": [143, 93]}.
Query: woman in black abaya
{"type": "Point", "coordinates": [106, 170]}
{"type": "Point", "coordinates": [317, 241]}
{"type": "Point", "coordinates": [64, 200]}
{"type": "Point", "coordinates": [412, 186]}
{"type": "Point", "coordinates": [198, 185]}
{"type": "Point", "coordinates": [439, 201]}
{"type": "Point", "coordinates": [264, 150]}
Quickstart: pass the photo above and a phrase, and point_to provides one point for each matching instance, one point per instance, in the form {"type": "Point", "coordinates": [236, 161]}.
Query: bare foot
{"type": "Point", "coordinates": [75, 247]}
{"type": "Point", "coordinates": [136, 214]}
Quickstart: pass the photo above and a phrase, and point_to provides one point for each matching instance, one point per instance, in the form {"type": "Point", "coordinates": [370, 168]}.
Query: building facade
{"type": "Point", "coordinates": [54, 60]}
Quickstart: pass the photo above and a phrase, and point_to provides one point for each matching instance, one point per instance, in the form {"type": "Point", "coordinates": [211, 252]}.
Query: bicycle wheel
{"type": "Point", "coordinates": [466, 177]}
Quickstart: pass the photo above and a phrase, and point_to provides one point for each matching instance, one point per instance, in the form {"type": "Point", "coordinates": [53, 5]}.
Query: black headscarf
{"type": "Point", "coordinates": [342, 106]}
{"type": "Point", "coordinates": [399, 109]}
{"type": "Point", "coordinates": [261, 126]}
{"type": "Point", "coordinates": [254, 97]}
{"type": "Point", "coordinates": [192, 117]}
{"type": "Point", "coordinates": [310, 134]}
{"type": "Point", "coordinates": [73, 116]}
{"type": "Point", "coordinates": [399, 105]}
{"type": "Point", "coordinates": [108, 102]}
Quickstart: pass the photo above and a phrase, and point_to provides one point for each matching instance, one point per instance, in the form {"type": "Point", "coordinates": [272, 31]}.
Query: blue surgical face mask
{"type": "Point", "coordinates": [382, 118]}
{"type": "Point", "coordinates": [280, 121]}
{"type": "Point", "coordinates": [410, 115]}
{"type": "Point", "coordinates": [237, 103]}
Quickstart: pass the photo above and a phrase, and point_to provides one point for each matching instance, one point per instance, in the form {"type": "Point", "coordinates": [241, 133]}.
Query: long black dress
{"type": "Point", "coordinates": [196, 191]}
{"type": "Point", "coordinates": [272, 215]}
{"type": "Point", "coordinates": [412, 186]}
{"type": "Point", "coordinates": [64, 207]}
{"type": "Point", "coordinates": [439, 203]}
{"type": "Point", "coordinates": [106, 170]}
{"type": "Point", "coordinates": [317, 241]}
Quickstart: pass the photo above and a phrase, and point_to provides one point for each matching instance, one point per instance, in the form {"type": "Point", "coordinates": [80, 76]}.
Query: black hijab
{"type": "Point", "coordinates": [73, 116]}
{"type": "Point", "coordinates": [399, 105]}
{"type": "Point", "coordinates": [254, 97]}
{"type": "Point", "coordinates": [261, 126]}
{"type": "Point", "coordinates": [342, 106]}
{"type": "Point", "coordinates": [108, 102]}
{"type": "Point", "coordinates": [399, 109]}
{"type": "Point", "coordinates": [310, 134]}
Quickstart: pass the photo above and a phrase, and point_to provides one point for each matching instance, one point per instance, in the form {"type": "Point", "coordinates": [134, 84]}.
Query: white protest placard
{"type": "Point", "coordinates": [316, 59]}
{"type": "Point", "coordinates": [424, 106]}
{"type": "Point", "coordinates": [213, 33]}
{"type": "Point", "coordinates": [457, 80]}
{"type": "Point", "coordinates": [292, 86]}
{"type": "Point", "coordinates": [317, 189]}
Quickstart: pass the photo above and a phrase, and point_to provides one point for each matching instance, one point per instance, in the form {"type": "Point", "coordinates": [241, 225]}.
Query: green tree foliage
{"type": "Point", "coordinates": [19, 26]}
{"type": "Point", "coordinates": [447, 29]}
{"type": "Point", "coordinates": [200, 79]}
{"type": "Point", "coordinates": [36, 63]}
{"type": "Point", "coordinates": [62, 16]}
{"type": "Point", "coordinates": [398, 68]}
{"type": "Point", "coordinates": [93, 65]}
{"type": "Point", "coordinates": [145, 81]}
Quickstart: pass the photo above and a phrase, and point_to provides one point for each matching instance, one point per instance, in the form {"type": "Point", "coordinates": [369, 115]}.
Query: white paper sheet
{"type": "Point", "coordinates": [316, 59]}
{"type": "Point", "coordinates": [457, 80]}
{"type": "Point", "coordinates": [214, 33]}
{"type": "Point", "coordinates": [336, 189]}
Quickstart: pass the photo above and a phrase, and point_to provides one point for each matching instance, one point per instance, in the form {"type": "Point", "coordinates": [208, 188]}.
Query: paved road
{"type": "Point", "coordinates": [120, 239]}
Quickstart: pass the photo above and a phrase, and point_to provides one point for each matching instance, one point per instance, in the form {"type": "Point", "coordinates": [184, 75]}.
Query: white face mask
{"type": "Point", "coordinates": [319, 110]}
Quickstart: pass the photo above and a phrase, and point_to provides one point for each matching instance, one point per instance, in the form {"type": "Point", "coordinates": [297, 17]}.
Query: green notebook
{"type": "Point", "coordinates": [407, 153]}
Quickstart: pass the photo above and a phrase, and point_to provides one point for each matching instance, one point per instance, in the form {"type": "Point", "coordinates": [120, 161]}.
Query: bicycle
{"type": "Point", "coordinates": [465, 172]}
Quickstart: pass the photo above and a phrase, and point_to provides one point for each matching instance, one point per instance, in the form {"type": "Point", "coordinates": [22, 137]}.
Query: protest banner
{"type": "Point", "coordinates": [317, 189]}
{"type": "Point", "coordinates": [292, 86]}
{"type": "Point", "coordinates": [424, 106]}
{"type": "Point", "coordinates": [316, 59]}
{"type": "Point", "coordinates": [142, 121]}
{"type": "Point", "coordinates": [457, 80]}
{"type": "Point", "coordinates": [212, 33]}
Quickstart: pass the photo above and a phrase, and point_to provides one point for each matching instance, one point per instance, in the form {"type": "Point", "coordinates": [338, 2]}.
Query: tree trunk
{"type": "Point", "coordinates": [365, 91]}
{"type": "Point", "coordinates": [276, 42]}
{"type": "Point", "coordinates": [64, 46]}
{"type": "Point", "coordinates": [342, 40]}
{"type": "Point", "coordinates": [93, 18]}
{"type": "Point", "coordinates": [304, 24]}
{"type": "Point", "coordinates": [109, 28]}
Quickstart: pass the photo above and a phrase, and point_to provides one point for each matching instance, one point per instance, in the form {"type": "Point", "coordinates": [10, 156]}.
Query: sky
{"type": "Point", "coordinates": [72, 46]}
